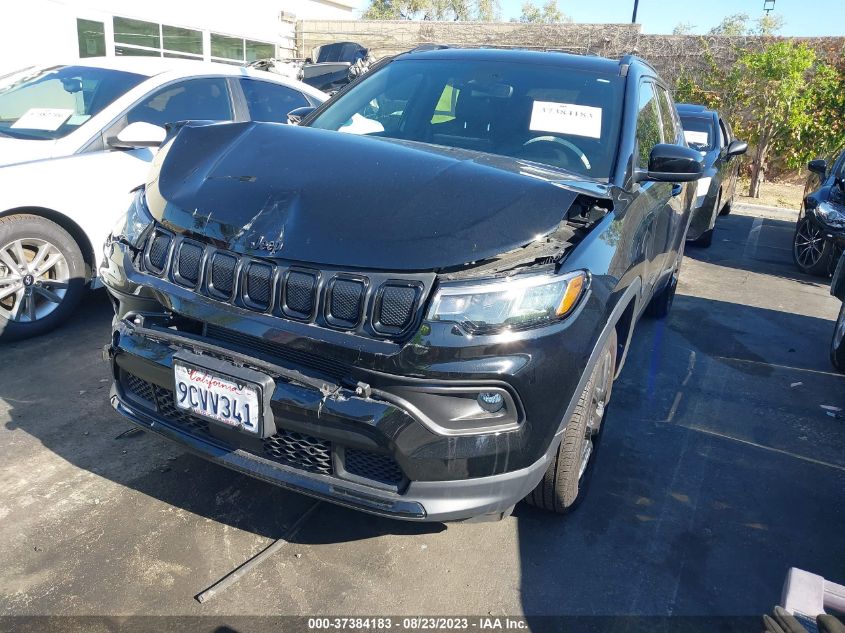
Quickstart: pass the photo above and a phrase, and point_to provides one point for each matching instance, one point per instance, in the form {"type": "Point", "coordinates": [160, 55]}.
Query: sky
{"type": "Point", "coordinates": [801, 17]}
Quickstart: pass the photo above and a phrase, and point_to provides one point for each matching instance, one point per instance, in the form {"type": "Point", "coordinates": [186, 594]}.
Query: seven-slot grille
{"type": "Point", "coordinates": [340, 300]}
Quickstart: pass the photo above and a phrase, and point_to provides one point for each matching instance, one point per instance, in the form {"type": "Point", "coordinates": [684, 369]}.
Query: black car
{"type": "Point", "coordinates": [837, 342]}
{"type": "Point", "coordinates": [709, 133]}
{"type": "Point", "coordinates": [420, 318]}
{"type": "Point", "coordinates": [820, 230]}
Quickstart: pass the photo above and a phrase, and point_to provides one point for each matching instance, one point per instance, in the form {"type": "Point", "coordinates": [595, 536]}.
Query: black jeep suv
{"type": "Point", "coordinates": [415, 303]}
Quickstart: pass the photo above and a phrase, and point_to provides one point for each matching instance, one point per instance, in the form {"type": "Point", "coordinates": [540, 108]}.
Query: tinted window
{"type": "Point", "coordinates": [136, 32]}
{"type": "Point", "coordinates": [91, 36]}
{"type": "Point", "coordinates": [667, 116]}
{"type": "Point", "coordinates": [648, 124]}
{"type": "Point", "coordinates": [699, 132]}
{"type": "Point", "coordinates": [199, 99]}
{"type": "Point", "coordinates": [51, 103]}
{"type": "Point", "coordinates": [548, 114]}
{"type": "Point", "coordinates": [271, 102]}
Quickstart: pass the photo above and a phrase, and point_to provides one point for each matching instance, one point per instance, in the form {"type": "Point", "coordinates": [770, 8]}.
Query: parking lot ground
{"type": "Point", "coordinates": [718, 469]}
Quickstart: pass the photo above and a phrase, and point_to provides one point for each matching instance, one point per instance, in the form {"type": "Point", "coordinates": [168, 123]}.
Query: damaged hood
{"type": "Point", "coordinates": [329, 198]}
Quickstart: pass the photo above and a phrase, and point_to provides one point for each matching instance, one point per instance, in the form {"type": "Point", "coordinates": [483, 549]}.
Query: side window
{"type": "Point", "coordinates": [648, 124]}
{"type": "Point", "coordinates": [723, 136]}
{"type": "Point", "coordinates": [667, 116]}
{"type": "Point", "coordinates": [271, 102]}
{"type": "Point", "coordinates": [840, 172]}
{"type": "Point", "coordinates": [199, 99]}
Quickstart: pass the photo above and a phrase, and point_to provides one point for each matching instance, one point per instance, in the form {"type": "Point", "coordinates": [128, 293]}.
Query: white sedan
{"type": "Point", "coordinates": [75, 140]}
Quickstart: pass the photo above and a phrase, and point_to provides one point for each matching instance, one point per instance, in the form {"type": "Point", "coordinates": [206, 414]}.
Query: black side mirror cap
{"type": "Point", "coordinates": [672, 163]}
{"type": "Point", "coordinates": [818, 166]}
{"type": "Point", "coordinates": [296, 115]}
{"type": "Point", "coordinates": [737, 148]}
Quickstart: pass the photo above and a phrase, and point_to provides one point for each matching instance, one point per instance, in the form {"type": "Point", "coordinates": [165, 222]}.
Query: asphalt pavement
{"type": "Point", "coordinates": [721, 465]}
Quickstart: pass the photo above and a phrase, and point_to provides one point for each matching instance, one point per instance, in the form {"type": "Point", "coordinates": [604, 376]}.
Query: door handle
{"type": "Point", "coordinates": [677, 189]}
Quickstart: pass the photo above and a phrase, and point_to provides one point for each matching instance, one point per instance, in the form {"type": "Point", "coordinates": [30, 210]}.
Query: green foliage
{"type": "Point", "coordinates": [549, 13]}
{"type": "Point", "coordinates": [732, 25]}
{"type": "Point", "coordinates": [740, 24]}
{"type": "Point", "coordinates": [486, 10]}
{"type": "Point", "coordinates": [683, 28]}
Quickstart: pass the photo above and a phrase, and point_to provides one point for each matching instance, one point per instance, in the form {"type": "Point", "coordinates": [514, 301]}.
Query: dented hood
{"type": "Point", "coordinates": [329, 198]}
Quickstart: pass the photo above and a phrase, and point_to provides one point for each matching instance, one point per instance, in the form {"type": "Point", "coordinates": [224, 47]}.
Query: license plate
{"type": "Point", "coordinates": [221, 398]}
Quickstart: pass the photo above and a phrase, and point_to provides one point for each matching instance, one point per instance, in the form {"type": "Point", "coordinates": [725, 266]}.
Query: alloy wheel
{"type": "Point", "coordinates": [809, 244]}
{"type": "Point", "coordinates": [34, 278]}
{"type": "Point", "coordinates": [598, 403]}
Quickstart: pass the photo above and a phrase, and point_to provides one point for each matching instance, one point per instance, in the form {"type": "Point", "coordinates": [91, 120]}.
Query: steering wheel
{"type": "Point", "coordinates": [568, 155]}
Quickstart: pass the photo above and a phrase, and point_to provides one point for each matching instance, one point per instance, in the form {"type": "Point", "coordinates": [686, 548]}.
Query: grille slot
{"type": "Point", "coordinates": [301, 451]}
{"type": "Point", "coordinates": [396, 309]}
{"type": "Point", "coordinates": [157, 257]}
{"type": "Point", "coordinates": [324, 364]}
{"type": "Point", "coordinates": [299, 294]}
{"type": "Point", "coordinates": [375, 466]}
{"type": "Point", "coordinates": [259, 279]}
{"type": "Point", "coordinates": [222, 280]}
{"type": "Point", "coordinates": [188, 264]}
{"type": "Point", "coordinates": [346, 298]}
{"type": "Point", "coordinates": [138, 388]}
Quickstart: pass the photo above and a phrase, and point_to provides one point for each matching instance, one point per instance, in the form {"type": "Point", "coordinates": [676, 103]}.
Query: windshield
{"type": "Point", "coordinates": [547, 114]}
{"type": "Point", "coordinates": [51, 103]}
{"type": "Point", "coordinates": [699, 132]}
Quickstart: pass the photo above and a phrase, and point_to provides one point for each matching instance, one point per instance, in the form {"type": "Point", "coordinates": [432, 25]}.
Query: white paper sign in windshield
{"type": "Point", "coordinates": [47, 119]}
{"type": "Point", "coordinates": [696, 138]}
{"type": "Point", "coordinates": [566, 118]}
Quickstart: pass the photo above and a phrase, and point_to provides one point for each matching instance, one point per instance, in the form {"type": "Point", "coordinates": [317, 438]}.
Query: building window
{"type": "Point", "coordinates": [137, 33]}
{"type": "Point", "coordinates": [259, 50]}
{"type": "Point", "coordinates": [92, 38]}
{"type": "Point", "coordinates": [225, 48]}
{"type": "Point", "coordinates": [181, 40]}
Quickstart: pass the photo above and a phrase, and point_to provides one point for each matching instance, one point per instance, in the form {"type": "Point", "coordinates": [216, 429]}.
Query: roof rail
{"type": "Point", "coordinates": [421, 48]}
{"type": "Point", "coordinates": [630, 57]}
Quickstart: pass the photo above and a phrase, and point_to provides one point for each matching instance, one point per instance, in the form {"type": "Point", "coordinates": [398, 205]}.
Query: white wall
{"type": "Point", "coordinates": [38, 31]}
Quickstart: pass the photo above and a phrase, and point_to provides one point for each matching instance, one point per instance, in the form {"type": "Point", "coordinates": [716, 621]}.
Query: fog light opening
{"type": "Point", "coordinates": [491, 401]}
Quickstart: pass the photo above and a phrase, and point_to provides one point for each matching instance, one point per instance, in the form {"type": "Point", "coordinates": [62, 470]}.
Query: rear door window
{"type": "Point", "coordinates": [271, 102]}
{"type": "Point", "coordinates": [194, 99]}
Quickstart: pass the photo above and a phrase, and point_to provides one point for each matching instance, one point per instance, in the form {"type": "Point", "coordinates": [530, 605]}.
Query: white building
{"type": "Point", "coordinates": [38, 31]}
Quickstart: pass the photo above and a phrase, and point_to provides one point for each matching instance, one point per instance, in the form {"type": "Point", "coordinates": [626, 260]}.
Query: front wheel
{"type": "Point", "coordinates": [42, 276]}
{"type": "Point", "coordinates": [811, 251]}
{"type": "Point", "coordinates": [559, 488]}
{"type": "Point", "coordinates": [837, 343]}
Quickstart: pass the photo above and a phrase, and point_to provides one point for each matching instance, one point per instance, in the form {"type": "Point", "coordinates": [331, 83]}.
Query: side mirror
{"type": "Point", "coordinates": [671, 163]}
{"type": "Point", "coordinates": [818, 166]}
{"type": "Point", "coordinates": [737, 148]}
{"type": "Point", "coordinates": [837, 284]}
{"type": "Point", "coordinates": [296, 115]}
{"type": "Point", "coordinates": [138, 134]}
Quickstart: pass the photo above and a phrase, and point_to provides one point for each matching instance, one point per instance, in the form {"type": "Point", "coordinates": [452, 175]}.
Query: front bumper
{"type": "Point", "coordinates": [294, 459]}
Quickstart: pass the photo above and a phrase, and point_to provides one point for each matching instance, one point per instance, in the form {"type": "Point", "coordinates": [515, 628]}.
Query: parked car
{"type": "Point", "coordinates": [706, 131]}
{"type": "Point", "coordinates": [837, 342]}
{"type": "Point", "coordinates": [74, 140]}
{"type": "Point", "coordinates": [820, 230]}
{"type": "Point", "coordinates": [433, 334]}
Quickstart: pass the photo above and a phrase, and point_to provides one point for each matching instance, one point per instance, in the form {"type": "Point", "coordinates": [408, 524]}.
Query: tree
{"type": "Point", "coordinates": [732, 25]}
{"type": "Point", "coordinates": [769, 24]}
{"type": "Point", "coordinates": [549, 13]}
{"type": "Point", "coordinates": [775, 91]}
{"type": "Point", "coordinates": [683, 28]}
{"type": "Point", "coordinates": [431, 10]}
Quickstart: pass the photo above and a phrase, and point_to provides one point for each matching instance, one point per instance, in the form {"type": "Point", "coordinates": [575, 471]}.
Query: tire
{"type": "Point", "coordinates": [706, 239]}
{"type": "Point", "coordinates": [811, 252]}
{"type": "Point", "coordinates": [33, 301]}
{"type": "Point", "coordinates": [837, 342]}
{"type": "Point", "coordinates": [560, 486]}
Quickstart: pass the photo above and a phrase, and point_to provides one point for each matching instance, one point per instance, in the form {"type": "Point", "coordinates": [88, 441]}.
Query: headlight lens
{"type": "Point", "coordinates": [514, 303]}
{"type": "Point", "coordinates": [133, 226]}
{"type": "Point", "coordinates": [830, 215]}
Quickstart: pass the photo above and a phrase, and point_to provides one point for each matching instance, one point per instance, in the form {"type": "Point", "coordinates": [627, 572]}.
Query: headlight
{"type": "Point", "coordinates": [830, 215]}
{"type": "Point", "coordinates": [701, 190]}
{"type": "Point", "coordinates": [133, 226]}
{"type": "Point", "coordinates": [514, 303]}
